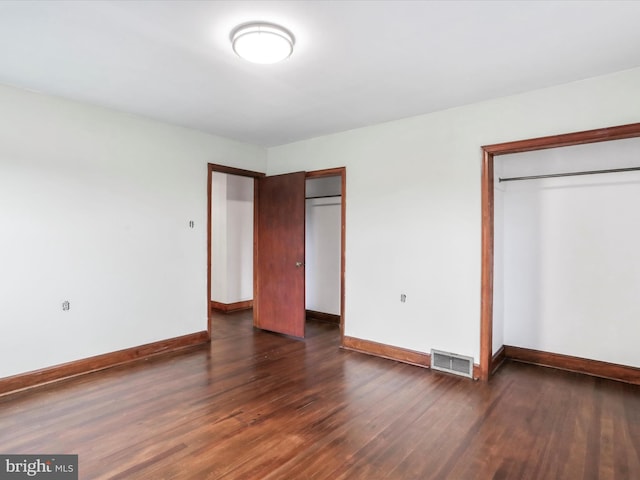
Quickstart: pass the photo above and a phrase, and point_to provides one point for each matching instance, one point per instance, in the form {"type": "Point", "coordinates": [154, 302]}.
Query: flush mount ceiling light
{"type": "Point", "coordinates": [262, 42]}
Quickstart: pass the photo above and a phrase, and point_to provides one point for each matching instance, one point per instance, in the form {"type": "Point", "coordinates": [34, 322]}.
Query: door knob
{"type": "Point", "coordinates": [299, 264]}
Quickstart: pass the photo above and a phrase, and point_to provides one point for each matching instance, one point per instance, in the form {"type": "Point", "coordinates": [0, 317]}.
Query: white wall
{"type": "Point", "coordinates": [322, 255]}
{"type": "Point", "coordinates": [231, 238]}
{"type": "Point", "coordinates": [219, 237]}
{"type": "Point", "coordinates": [413, 204]}
{"type": "Point", "coordinates": [94, 209]}
{"type": "Point", "coordinates": [240, 238]}
{"type": "Point", "coordinates": [571, 263]}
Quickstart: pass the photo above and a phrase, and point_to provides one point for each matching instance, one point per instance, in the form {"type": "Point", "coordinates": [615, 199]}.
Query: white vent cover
{"type": "Point", "coordinates": [452, 363]}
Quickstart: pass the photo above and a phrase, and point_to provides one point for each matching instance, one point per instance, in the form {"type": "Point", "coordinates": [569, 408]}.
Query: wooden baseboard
{"type": "Point", "coordinates": [497, 360]}
{"type": "Point", "coordinates": [595, 368]}
{"type": "Point", "coordinates": [324, 317]}
{"type": "Point", "coordinates": [390, 352]}
{"type": "Point", "coordinates": [231, 307]}
{"type": "Point", "coordinates": [100, 362]}
{"type": "Point", "coordinates": [412, 357]}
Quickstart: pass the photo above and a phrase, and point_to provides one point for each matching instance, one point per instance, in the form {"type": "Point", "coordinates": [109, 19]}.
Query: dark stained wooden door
{"type": "Point", "coordinates": [279, 302]}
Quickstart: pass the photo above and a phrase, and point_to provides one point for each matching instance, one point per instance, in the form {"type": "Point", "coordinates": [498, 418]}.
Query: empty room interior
{"type": "Point", "coordinates": [307, 239]}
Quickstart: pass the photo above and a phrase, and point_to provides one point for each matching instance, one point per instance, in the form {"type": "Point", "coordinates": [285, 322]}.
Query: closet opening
{"type": "Point", "coordinates": [553, 230]}
{"type": "Point", "coordinates": [324, 246]}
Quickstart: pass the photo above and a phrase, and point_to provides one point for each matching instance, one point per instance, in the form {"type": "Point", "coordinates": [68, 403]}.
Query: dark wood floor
{"type": "Point", "coordinates": [256, 405]}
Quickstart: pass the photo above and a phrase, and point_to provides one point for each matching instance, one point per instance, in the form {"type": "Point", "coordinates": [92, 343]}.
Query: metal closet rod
{"type": "Point", "coordinates": [568, 174]}
{"type": "Point", "coordinates": [323, 196]}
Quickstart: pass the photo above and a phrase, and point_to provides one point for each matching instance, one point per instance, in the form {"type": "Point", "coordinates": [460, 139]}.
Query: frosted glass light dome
{"type": "Point", "coordinates": [262, 42]}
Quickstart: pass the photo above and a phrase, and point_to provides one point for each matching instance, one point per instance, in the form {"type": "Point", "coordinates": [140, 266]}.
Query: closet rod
{"type": "Point", "coordinates": [569, 174]}
{"type": "Point", "coordinates": [323, 196]}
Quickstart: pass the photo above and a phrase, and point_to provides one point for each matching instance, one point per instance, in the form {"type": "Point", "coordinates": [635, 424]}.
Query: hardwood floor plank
{"type": "Point", "coordinates": [260, 406]}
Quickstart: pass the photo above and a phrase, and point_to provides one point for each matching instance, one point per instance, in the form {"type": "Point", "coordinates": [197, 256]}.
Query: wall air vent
{"type": "Point", "coordinates": [452, 363]}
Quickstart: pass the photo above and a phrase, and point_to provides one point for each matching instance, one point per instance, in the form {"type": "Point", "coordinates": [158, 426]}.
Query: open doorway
{"type": "Point", "coordinates": [285, 262]}
{"type": "Point", "coordinates": [227, 288]}
{"type": "Point", "coordinates": [324, 240]}
{"type": "Point", "coordinates": [230, 256]}
{"type": "Point", "coordinates": [490, 359]}
{"type": "Point", "coordinates": [323, 208]}
{"type": "Point", "coordinates": [231, 242]}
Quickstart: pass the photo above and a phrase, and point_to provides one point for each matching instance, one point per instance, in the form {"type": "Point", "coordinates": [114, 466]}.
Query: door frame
{"type": "Point", "coordinates": [329, 172]}
{"type": "Point", "coordinates": [489, 362]}
{"type": "Point", "coordinates": [212, 167]}
{"type": "Point", "coordinates": [342, 173]}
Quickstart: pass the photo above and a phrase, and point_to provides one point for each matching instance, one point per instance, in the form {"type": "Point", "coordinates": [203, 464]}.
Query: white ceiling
{"type": "Point", "coordinates": [355, 63]}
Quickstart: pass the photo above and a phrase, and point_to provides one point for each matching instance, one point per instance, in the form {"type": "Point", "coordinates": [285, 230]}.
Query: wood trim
{"type": "Point", "coordinates": [486, 285]}
{"type": "Point", "coordinates": [235, 171]}
{"type": "Point", "coordinates": [565, 140]}
{"type": "Point", "coordinates": [398, 354]}
{"type": "Point", "coordinates": [209, 200]}
{"type": "Point", "coordinates": [489, 151]}
{"type": "Point", "coordinates": [324, 317]}
{"type": "Point", "coordinates": [231, 307]}
{"type": "Point", "coordinates": [256, 288]}
{"type": "Point", "coordinates": [497, 360]}
{"type": "Point", "coordinates": [100, 362]}
{"type": "Point", "coordinates": [595, 368]}
{"type": "Point", "coordinates": [389, 352]}
{"type": "Point", "coordinates": [327, 172]}
{"type": "Point", "coordinates": [343, 246]}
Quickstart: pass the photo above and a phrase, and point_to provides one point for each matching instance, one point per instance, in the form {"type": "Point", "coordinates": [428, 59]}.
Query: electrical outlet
{"type": "Point", "coordinates": [403, 297]}
{"type": "Point", "coordinates": [66, 305]}
{"type": "Point", "coordinates": [192, 224]}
